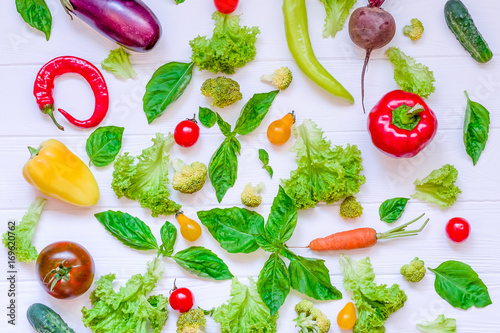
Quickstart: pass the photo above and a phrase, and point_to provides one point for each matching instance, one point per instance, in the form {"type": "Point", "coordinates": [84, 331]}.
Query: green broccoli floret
{"type": "Point", "coordinates": [224, 91]}
{"type": "Point", "coordinates": [189, 178]}
{"type": "Point", "coordinates": [310, 319]}
{"type": "Point", "coordinates": [415, 271]}
{"type": "Point", "coordinates": [192, 321]}
{"type": "Point", "coordinates": [415, 30]}
{"type": "Point", "coordinates": [350, 208]}
{"type": "Point", "coordinates": [281, 78]}
{"type": "Point", "coordinates": [250, 196]}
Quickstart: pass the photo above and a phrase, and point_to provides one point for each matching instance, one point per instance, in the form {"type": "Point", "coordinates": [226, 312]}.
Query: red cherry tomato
{"type": "Point", "coordinates": [181, 299]}
{"type": "Point", "coordinates": [65, 269]}
{"type": "Point", "coordinates": [458, 229]}
{"type": "Point", "coordinates": [226, 6]}
{"type": "Point", "coordinates": [187, 133]}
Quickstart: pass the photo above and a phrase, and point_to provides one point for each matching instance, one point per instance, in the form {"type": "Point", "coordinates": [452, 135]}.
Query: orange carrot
{"type": "Point", "coordinates": [361, 237]}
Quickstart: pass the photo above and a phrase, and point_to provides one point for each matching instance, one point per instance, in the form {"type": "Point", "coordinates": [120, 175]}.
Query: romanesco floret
{"type": "Point", "coordinates": [224, 91]}
{"type": "Point", "coordinates": [250, 196]}
{"type": "Point", "coordinates": [415, 30]}
{"type": "Point", "coordinates": [193, 321]}
{"type": "Point", "coordinates": [350, 208]}
{"type": "Point", "coordinates": [415, 271]}
{"type": "Point", "coordinates": [281, 78]}
{"type": "Point", "coordinates": [310, 319]}
{"type": "Point", "coordinates": [189, 178]}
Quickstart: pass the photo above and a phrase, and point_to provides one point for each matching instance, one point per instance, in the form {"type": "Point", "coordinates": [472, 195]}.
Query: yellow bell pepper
{"type": "Point", "coordinates": [55, 171]}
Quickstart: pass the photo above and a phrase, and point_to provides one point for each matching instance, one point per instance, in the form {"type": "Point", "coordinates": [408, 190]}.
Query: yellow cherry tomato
{"type": "Point", "coordinates": [347, 317]}
{"type": "Point", "coordinates": [190, 229]}
{"type": "Point", "coordinates": [279, 131]}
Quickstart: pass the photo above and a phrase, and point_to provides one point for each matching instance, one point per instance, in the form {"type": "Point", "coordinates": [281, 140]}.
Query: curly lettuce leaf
{"type": "Point", "coordinates": [438, 187]}
{"type": "Point", "coordinates": [129, 309]}
{"type": "Point", "coordinates": [374, 303]}
{"type": "Point", "coordinates": [231, 46]}
{"type": "Point", "coordinates": [440, 325]}
{"type": "Point", "coordinates": [23, 249]}
{"type": "Point", "coordinates": [323, 173]}
{"type": "Point", "coordinates": [147, 180]}
{"type": "Point", "coordinates": [337, 12]}
{"type": "Point", "coordinates": [118, 63]}
{"type": "Point", "coordinates": [245, 311]}
{"type": "Point", "coordinates": [410, 75]}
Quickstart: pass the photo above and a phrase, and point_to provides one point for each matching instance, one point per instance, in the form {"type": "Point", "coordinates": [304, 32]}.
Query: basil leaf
{"type": "Point", "coordinates": [128, 229]}
{"type": "Point", "coordinates": [233, 228]}
{"type": "Point", "coordinates": [476, 129]}
{"type": "Point", "coordinates": [168, 237]}
{"type": "Point", "coordinates": [202, 262]}
{"type": "Point", "coordinates": [282, 219]}
{"type": "Point", "coordinates": [37, 14]}
{"type": "Point", "coordinates": [458, 284]}
{"type": "Point", "coordinates": [274, 283]}
{"type": "Point", "coordinates": [104, 144]}
{"type": "Point", "coordinates": [265, 243]}
{"type": "Point", "coordinates": [264, 157]}
{"type": "Point", "coordinates": [254, 112]}
{"type": "Point", "coordinates": [392, 209]}
{"type": "Point", "coordinates": [225, 128]}
{"type": "Point", "coordinates": [166, 86]}
{"type": "Point", "coordinates": [207, 117]}
{"type": "Point", "coordinates": [223, 166]}
{"type": "Point", "coordinates": [311, 277]}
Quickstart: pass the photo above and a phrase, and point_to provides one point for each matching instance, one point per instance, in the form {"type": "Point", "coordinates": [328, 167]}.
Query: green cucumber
{"type": "Point", "coordinates": [45, 320]}
{"type": "Point", "coordinates": [461, 24]}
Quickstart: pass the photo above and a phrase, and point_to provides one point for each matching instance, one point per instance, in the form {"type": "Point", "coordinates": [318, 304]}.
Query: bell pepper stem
{"type": "Point", "coordinates": [49, 110]}
{"type": "Point", "coordinates": [33, 151]}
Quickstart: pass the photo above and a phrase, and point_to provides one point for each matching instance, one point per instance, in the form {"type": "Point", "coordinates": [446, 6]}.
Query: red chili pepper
{"type": "Point", "coordinates": [401, 124]}
{"type": "Point", "coordinates": [44, 87]}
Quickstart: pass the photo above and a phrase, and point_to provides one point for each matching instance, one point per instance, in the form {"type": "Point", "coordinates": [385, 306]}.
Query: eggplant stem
{"type": "Point", "coordinates": [365, 65]}
{"type": "Point", "coordinates": [68, 7]}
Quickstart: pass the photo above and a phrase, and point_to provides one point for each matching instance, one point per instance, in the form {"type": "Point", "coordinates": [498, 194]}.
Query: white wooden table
{"type": "Point", "coordinates": [23, 51]}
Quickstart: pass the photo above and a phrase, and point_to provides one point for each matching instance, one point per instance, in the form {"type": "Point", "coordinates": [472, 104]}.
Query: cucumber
{"type": "Point", "coordinates": [461, 24]}
{"type": "Point", "coordinates": [45, 320]}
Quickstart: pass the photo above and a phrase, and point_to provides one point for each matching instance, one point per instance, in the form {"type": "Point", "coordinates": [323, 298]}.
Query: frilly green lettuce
{"type": "Point", "coordinates": [438, 187]}
{"type": "Point", "coordinates": [337, 12]}
{"type": "Point", "coordinates": [440, 325]}
{"type": "Point", "coordinates": [118, 63]}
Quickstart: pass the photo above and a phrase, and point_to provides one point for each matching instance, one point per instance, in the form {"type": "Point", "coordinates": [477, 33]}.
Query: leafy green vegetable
{"type": "Point", "coordinates": [476, 129]}
{"type": "Point", "coordinates": [264, 158]}
{"type": "Point", "coordinates": [165, 86]}
{"type": "Point", "coordinates": [130, 309]}
{"type": "Point", "coordinates": [231, 46]}
{"type": "Point", "coordinates": [245, 312]}
{"type": "Point", "coordinates": [458, 284]}
{"type": "Point", "coordinates": [19, 240]}
{"type": "Point", "coordinates": [147, 180]}
{"type": "Point", "coordinates": [202, 262]}
{"type": "Point", "coordinates": [374, 303]}
{"type": "Point", "coordinates": [128, 229]}
{"type": "Point", "coordinates": [391, 210]}
{"type": "Point", "coordinates": [223, 166]}
{"type": "Point", "coordinates": [179, 1]}
{"type": "Point", "coordinates": [207, 117]}
{"type": "Point", "coordinates": [254, 112]}
{"type": "Point", "coordinates": [410, 75]}
{"type": "Point", "coordinates": [118, 63]}
{"type": "Point", "coordinates": [274, 283]}
{"type": "Point", "coordinates": [323, 173]}
{"type": "Point", "coordinates": [233, 228]}
{"type": "Point", "coordinates": [440, 325]}
{"type": "Point", "coordinates": [104, 144]}
{"type": "Point", "coordinates": [438, 187]}
{"type": "Point", "coordinates": [337, 12]}
{"type": "Point", "coordinates": [168, 237]}
{"type": "Point", "coordinates": [224, 127]}
{"type": "Point", "coordinates": [282, 220]}
{"type": "Point", "coordinates": [37, 14]}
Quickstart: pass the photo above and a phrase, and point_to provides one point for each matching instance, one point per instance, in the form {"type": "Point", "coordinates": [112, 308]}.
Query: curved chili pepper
{"type": "Point", "coordinates": [297, 36]}
{"type": "Point", "coordinates": [44, 87]}
{"type": "Point", "coordinates": [401, 124]}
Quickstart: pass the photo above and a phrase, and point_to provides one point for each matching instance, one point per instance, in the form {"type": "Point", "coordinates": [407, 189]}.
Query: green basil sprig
{"type": "Point", "coordinates": [264, 158]}
{"type": "Point", "coordinates": [392, 209]}
{"type": "Point", "coordinates": [134, 233]}
{"type": "Point", "coordinates": [254, 112]}
{"type": "Point", "coordinates": [458, 284]}
{"type": "Point", "coordinates": [36, 14]}
{"type": "Point", "coordinates": [104, 144]}
{"type": "Point", "coordinates": [476, 129]}
{"type": "Point", "coordinates": [165, 86]}
{"type": "Point", "coordinates": [207, 117]}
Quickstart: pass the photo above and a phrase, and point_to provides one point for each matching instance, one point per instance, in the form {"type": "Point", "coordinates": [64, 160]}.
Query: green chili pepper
{"type": "Point", "coordinates": [297, 36]}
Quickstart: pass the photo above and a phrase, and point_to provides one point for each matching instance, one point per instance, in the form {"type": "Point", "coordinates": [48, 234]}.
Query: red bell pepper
{"type": "Point", "coordinates": [401, 124]}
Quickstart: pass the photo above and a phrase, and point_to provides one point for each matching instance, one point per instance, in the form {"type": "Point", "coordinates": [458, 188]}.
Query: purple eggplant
{"type": "Point", "coordinates": [130, 23]}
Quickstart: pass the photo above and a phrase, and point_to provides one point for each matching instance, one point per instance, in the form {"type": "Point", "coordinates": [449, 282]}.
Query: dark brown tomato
{"type": "Point", "coordinates": [65, 269]}
{"type": "Point", "coordinates": [371, 28]}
